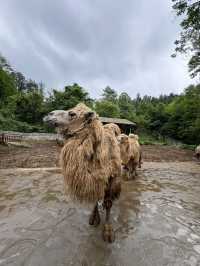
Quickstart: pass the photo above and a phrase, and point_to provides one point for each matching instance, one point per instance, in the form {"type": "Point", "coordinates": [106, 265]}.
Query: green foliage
{"type": "Point", "coordinates": [189, 41]}
{"type": "Point", "coordinates": [20, 81]}
{"type": "Point", "coordinates": [184, 116]}
{"type": "Point", "coordinates": [147, 138]}
{"type": "Point", "coordinates": [126, 107]}
{"type": "Point", "coordinates": [109, 94]}
{"type": "Point", "coordinates": [7, 86]}
{"type": "Point", "coordinates": [29, 106]}
{"type": "Point", "coordinates": [107, 108]}
{"type": "Point", "coordinates": [68, 98]}
{"type": "Point", "coordinates": [5, 65]}
{"type": "Point", "coordinates": [9, 124]}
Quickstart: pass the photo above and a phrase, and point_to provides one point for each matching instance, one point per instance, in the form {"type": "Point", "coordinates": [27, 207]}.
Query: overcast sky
{"type": "Point", "coordinates": [123, 44]}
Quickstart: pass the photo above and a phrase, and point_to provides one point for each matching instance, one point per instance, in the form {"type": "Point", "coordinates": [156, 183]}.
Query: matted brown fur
{"type": "Point", "coordinates": [130, 153]}
{"type": "Point", "coordinates": [135, 147]}
{"type": "Point", "coordinates": [89, 158]}
{"type": "Point", "coordinates": [113, 127]}
{"type": "Point", "coordinates": [124, 148]}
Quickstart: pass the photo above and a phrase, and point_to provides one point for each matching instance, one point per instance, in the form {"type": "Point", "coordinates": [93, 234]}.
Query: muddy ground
{"type": "Point", "coordinates": [46, 154]}
{"type": "Point", "coordinates": [156, 220]}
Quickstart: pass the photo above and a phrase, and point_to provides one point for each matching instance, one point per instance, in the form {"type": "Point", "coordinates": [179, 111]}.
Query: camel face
{"type": "Point", "coordinates": [134, 136]}
{"type": "Point", "coordinates": [122, 138]}
{"type": "Point", "coordinates": [71, 120]}
{"type": "Point", "coordinates": [56, 118]}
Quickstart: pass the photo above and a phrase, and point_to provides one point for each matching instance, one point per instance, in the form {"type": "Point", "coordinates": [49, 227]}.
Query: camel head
{"type": "Point", "coordinates": [72, 120]}
{"type": "Point", "coordinates": [122, 138]}
{"type": "Point", "coordinates": [56, 118]}
{"type": "Point", "coordinates": [134, 136]}
{"type": "Point", "coordinates": [114, 128]}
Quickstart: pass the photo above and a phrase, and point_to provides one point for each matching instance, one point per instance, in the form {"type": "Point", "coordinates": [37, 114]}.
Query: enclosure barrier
{"type": "Point", "coordinates": [5, 138]}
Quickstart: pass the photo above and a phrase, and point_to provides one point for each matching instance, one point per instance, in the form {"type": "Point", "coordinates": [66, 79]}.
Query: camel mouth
{"type": "Point", "coordinates": [50, 122]}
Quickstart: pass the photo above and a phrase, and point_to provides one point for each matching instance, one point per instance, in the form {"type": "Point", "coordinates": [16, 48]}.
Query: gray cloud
{"type": "Point", "coordinates": [124, 44]}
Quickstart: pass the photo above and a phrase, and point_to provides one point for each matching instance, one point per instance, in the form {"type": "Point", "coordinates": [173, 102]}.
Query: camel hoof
{"type": "Point", "coordinates": [94, 219]}
{"type": "Point", "coordinates": [108, 233]}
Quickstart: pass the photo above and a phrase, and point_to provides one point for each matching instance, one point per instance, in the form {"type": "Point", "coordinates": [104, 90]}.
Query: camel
{"type": "Point", "coordinates": [197, 152]}
{"type": "Point", "coordinates": [131, 157]}
{"type": "Point", "coordinates": [135, 139]}
{"type": "Point", "coordinates": [90, 161]}
{"type": "Point", "coordinates": [113, 127]}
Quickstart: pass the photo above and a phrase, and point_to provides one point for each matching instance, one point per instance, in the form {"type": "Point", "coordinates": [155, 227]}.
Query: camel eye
{"type": "Point", "coordinates": [72, 114]}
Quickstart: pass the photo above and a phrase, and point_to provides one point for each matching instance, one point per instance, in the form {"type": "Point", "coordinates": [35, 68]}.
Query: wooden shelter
{"type": "Point", "coordinates": [125, 125]}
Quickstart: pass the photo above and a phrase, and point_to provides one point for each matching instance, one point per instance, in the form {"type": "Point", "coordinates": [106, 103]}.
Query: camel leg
{"type": "Point", "coordinates": [133, 174]}
{"type": "Point", "coordinates": [108, 233]}
{"type": "Point", "coordinates": [132, 169]}
{"type": "Point", "coordinates": [135, 170]}
{"type": "Point", "coordinates": [140, 161]}
{"type": "Point", "coordinates": [125, 173]}
{"type": "Point", "coordinates": [95, 217]}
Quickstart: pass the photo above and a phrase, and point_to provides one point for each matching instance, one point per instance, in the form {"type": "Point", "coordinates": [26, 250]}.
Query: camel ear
{"type": "Point", "coordinates": [89, 115]}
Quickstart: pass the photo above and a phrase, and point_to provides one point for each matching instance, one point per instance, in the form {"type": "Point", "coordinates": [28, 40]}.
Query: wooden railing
{"type": "Point", "coordinates": [6, 137]}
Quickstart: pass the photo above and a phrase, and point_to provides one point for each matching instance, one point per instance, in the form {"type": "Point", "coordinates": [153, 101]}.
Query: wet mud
{"type": "Point", "coordinates": [156, 220]}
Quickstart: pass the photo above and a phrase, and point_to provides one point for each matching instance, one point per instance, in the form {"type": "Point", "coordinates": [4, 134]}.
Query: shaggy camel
{"type": "Point", "coordinates": [197, 152]}
{"type": "Point", "coordinates": [113, 127]}
{"type": "Point", "coordinates": [90, 160]}
{"type": "Point", "coordinates": [130, 154]}
{"type": "Point", "coordinates": [138, 146]}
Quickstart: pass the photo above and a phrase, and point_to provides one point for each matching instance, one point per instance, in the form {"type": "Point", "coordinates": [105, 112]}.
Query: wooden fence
{"type": "Point", "coordinates": [6, 137]}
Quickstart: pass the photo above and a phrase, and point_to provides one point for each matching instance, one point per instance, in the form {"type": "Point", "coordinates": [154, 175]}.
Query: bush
{"type": "Point", "coordinates": [9, 124]}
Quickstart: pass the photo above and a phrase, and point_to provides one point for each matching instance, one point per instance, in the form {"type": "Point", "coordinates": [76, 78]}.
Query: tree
{"type": "Point", "coordinates": [107, 109]}
{"type": "Point", "coordinates": [157, 117]}
{"type": "Point", "coordinates": [20, 81]}
{"type": "Point", "coordinates": [126, 107]}
{"type": "Point", "coordinates": [189, 41]}
{"type": "Point", "coordinates": [184, 116]}
{"type": "Point", "coordinates": [5, 65]}
{"type": "Point", "coordinates": [31, 85]}
{"type": "Point", "coordinates": [29, 107]}
{"type": "Point", "coordinates": [7, 86]}
{"type": "Point", "coordinates": [68, 98]}
{"type": "Point", "coordinates": [109, 94]}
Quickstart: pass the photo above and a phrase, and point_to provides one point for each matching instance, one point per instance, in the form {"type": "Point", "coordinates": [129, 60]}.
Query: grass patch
{"type": "Point", "coordinates": [188, 147]}
{"type": "Point", "coordinates": [148, 139]}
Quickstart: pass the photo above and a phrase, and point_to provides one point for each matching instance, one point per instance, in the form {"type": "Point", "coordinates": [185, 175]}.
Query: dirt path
{"type": "Point", "coordinates": [46, 154]}
{"type": "Point", "coordinates": [157, 220]}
